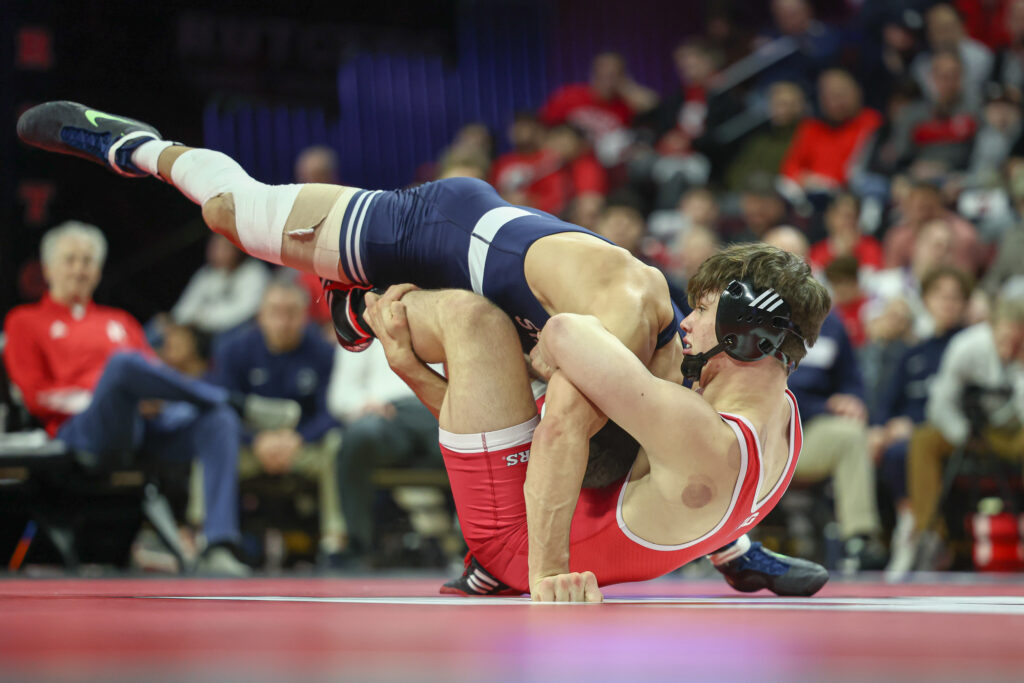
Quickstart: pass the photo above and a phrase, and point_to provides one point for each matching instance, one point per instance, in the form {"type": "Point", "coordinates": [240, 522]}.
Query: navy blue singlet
{"type": "Point", "coordinates": [457, 234]}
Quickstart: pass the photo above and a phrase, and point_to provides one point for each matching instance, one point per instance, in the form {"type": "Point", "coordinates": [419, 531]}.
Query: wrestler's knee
{"type": "Point", "coordinates": [469, 310]}
{"type": "Point", "coordinates": [219, 214]}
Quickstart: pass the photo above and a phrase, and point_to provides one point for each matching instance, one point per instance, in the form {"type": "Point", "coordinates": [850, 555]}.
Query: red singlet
{"type": "Point", "coordinates": [487, 473]}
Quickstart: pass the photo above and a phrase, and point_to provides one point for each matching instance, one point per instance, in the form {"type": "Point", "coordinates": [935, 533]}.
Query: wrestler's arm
{"type": "Point", "coordinates": [428, 386]}
{"type": "Point", "coordinates": [657, 413]}
{"type": "Point", "coordinates": [558, 461]}
{"type": "Point", "coordinates": [560, 450]}
{"type": "Point", "coordinates": [386, 316]}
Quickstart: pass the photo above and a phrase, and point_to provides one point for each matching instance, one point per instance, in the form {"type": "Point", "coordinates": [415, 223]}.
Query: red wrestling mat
{"type": "Point", "coordinates": [401, 630]}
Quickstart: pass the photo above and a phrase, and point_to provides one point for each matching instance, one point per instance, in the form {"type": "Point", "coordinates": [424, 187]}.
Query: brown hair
{"type": "Point", "coordinates": [932, 277]}
{"type": "Point", "coordinates": [765, 266]}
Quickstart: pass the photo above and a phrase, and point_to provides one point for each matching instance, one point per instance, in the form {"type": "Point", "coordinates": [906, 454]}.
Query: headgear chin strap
{"type": "Point", "coordinates": [749, 327]}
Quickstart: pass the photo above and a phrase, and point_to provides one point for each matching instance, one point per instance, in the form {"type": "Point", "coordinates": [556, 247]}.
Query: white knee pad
{"type": "Point", "coordinates": [260, 210]}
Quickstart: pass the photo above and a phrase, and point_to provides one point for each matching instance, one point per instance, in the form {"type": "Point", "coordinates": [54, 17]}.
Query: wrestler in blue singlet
{"type": "Point", "coordinates": [457, 234]}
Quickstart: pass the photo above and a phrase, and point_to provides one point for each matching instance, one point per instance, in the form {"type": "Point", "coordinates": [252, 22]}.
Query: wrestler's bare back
{"type": "Point", "coordinates": [574, 272]}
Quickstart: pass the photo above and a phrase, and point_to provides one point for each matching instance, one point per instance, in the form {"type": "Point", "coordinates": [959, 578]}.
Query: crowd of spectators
{"type": "Point", "coordinates": [886, 148]}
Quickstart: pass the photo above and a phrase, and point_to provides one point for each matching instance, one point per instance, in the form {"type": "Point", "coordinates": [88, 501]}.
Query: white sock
{"type": "Point", "coordinates": [739, 548]}
{"type": "Point", "coordinates": [147, 154]}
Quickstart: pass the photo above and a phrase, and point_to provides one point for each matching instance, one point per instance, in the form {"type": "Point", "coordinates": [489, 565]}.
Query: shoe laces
{"type": "Point", "coordinates": [760, 560]}
{"type": "Point", "coordinates": [87, 141]}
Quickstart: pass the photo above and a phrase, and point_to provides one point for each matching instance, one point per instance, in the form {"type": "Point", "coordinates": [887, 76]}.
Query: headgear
{"type": "Point", "coordinates": [748, 326]}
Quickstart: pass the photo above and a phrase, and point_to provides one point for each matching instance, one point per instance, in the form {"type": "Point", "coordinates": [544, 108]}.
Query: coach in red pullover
{"type": "Point", "coordinates": [88, 374]}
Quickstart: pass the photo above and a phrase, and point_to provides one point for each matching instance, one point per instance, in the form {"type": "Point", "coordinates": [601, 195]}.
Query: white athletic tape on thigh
{"type": "Point", "coordinates": [480, 241]}
{"type": "Point", "coordinates": [510, 437]}
{"type": "Point", "coordinates": [260, 210]}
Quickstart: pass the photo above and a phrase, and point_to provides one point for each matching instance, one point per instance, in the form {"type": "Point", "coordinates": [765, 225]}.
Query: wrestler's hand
{"type": "Point", "coordinates": [385, 314]}
{"type": "Point", "coordinates": [571, 587]}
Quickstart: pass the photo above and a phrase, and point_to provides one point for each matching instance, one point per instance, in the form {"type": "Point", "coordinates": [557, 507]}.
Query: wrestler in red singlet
{"type": "Point", "coordinates": [487, 472]}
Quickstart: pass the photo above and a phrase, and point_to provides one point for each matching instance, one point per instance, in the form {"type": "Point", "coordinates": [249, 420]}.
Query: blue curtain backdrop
{"type": "Point", "coordinates": [397, 111]}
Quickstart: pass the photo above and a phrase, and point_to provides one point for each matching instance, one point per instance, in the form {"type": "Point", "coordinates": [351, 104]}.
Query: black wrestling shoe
{"type": "Point", "coordinates": [72, 128]}
{"type": "Point", "coordinates": [476, 581]}
{"type": "Point", "coordinates": [347, 303]}
{"type": "Point", "coordinates": [761, 568]}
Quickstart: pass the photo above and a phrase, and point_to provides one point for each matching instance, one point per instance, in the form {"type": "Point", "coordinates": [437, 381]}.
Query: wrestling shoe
{"type": "Point", "coordinates": [761, 568]}
{"type": "Point", "coordinates": [475, 581]}
{"type": "Point", "coordinates": [72, 128]}
{"type": "Point", "coordinates": [347, 303]}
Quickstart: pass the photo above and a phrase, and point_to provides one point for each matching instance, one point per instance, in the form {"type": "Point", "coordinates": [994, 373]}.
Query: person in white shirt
{"type": "Point", "coordinates": [385, 425]}
{"type": "Point", "coordinates": [223, 293]}
{"type": "Point", "coordinates": [989, 357]}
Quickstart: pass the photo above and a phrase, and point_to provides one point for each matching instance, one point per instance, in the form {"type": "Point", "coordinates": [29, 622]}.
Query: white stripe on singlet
{"type": "Point", "coordinates": [349, 232]}
{"type": "Point", "coordinates": [480, 240]}
{"type": "Point", "coordinates": [359, 233]}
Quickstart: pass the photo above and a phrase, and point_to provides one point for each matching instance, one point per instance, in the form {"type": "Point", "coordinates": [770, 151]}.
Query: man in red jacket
{"type": "Point", "coordinates": [86, 372]}
{"type": "Point", "coordinates": [824, 149]}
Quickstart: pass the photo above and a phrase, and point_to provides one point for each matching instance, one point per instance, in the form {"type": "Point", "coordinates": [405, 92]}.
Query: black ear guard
{"type": "Point", "coordinates": [748, 326]}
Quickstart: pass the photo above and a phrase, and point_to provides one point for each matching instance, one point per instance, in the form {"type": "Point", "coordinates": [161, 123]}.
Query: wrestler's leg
{"type": "Point", "coordinates": [487, 418]}
{"type": "Point", "coordinates": [488, 383]}
{"type": "Point", "coordinates": [295, 225]}
{"type": "Point", "coordinates": [292, 225]}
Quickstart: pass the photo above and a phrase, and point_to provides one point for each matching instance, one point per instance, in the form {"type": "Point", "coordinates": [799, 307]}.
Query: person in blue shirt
{"type": "Point", "coordinates": [830, 392]}
{"type": "Point", "coordinates": [945, 291]}
{"type": "Point", "coordinates": [284, 356]}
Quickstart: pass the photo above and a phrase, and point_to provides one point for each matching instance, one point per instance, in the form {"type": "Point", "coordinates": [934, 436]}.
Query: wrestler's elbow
{"type": "Point", "coordinates": [563, 330]}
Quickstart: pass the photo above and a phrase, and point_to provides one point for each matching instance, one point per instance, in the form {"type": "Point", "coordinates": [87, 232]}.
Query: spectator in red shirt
{"type": "Point", "coordinates": [985, 21]}
{"type": "Point", "coordinates": [845, 238]}
{"type": "Point", "coordinates": [934, 136]}
{"type": "Point", "coordinates": [823, 150]}
{"type": "Point", "coordinates": [514, 172]}
{"type": "Point", "coordinates": [603, 106]}
{"type": "Point", "coordinates": [568, 172]}
{"type": "Point", "coordinates": [88, 374]}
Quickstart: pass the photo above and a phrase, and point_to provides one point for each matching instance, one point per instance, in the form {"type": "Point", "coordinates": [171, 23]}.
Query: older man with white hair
{"type": "Point", "coordinates": [87, 373]}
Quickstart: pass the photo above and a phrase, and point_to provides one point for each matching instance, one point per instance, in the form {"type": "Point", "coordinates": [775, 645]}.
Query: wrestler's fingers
{"type": "Point", "coordinates": [561, 588]}
{"type": "Point", "coordinates": [397, 325]}
{"type": "Point", "coordinates": [372, 314]}
{"type": "Point", "coordinates": [543, 591]}
{"type": "Point", "coordinates": [591, 591]}
{"type": "Point", "coordinates": [575, 585]}
{"type": "Point", "coordinates": [396, 292]}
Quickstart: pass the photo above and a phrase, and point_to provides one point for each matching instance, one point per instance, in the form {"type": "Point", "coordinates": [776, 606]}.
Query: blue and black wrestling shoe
{"type": "Point", "coordinates": [347, 304]}
{"type": "Point", "coordinates": [759, 568]}
{"type": "Point", "coordinates": [75, 129]}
